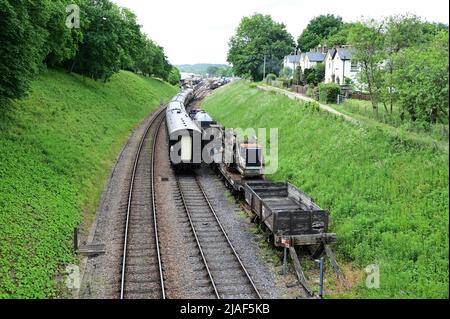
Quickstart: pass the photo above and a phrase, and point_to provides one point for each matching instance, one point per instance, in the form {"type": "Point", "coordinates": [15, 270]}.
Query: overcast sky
{"type": "Point", "coordinates": [198, 31]}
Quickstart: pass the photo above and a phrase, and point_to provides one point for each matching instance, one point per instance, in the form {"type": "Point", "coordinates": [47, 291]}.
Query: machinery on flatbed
{"type": "Point", "coordinates": [286, 212]}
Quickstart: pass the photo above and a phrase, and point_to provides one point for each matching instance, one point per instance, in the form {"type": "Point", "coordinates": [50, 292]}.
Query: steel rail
{"type": "Point", "coordinates": [228, 239]}
{"type": "Point", "coordinates": [196, 238]}
{"type": "Point", "coordinates": [158, 250]}
{"type": "Point", "coordinates": [130, 195]}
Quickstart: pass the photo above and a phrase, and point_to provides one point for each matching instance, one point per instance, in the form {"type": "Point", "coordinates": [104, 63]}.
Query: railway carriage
{"type": "Point", "coordinates": [184, 136]}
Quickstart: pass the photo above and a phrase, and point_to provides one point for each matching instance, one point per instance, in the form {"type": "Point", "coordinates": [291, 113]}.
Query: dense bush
{"type": "Point", "coordinates": [329, 92]}
{"type": "Point", "coordinates": [315, 75]}
{"type": "Point", "coordinates": [174, 76]}
{"type": "Point", "coordinates": [270, 77]}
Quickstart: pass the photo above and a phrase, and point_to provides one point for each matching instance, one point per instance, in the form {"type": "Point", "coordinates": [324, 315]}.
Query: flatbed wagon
{"type": "Point", "coordinates": [289, 214]}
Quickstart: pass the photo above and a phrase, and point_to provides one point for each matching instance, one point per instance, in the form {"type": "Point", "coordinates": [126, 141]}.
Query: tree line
{"type": "Point", "coordinates": [404, 66]}
{"type": "Point", "coordinates": [403, 60]}
{"type": "Point", "coordinates": [97, 43]}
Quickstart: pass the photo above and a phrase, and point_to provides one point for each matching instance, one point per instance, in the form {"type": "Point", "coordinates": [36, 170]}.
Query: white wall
{"type": "Point", "coordinates": [342, 69]}
{"type": "Point", "coordinates": [329, 69]}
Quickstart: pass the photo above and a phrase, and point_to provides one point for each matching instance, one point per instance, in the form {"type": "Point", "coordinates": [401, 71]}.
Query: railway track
{"type": "Point", "coordinates": [141, 270]}
{"type": "Point", "coordinates": [222, 273]}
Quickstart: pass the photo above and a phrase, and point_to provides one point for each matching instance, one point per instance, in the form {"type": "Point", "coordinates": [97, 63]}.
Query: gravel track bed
{"type": "Point", "coordinates": [239, 233]}
{"type": "Point", "coordinates": [184, 272]}
{"type": "Point", "coordinates": [102, 274]}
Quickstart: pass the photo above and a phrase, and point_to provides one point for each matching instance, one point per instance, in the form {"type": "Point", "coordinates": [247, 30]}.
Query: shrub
{"type": "Point", "coordinates": [270, 77]}
{"type": "Point", "coordinates": [309, 75]}
{"type": "Point", "coordinates": [329, 92]}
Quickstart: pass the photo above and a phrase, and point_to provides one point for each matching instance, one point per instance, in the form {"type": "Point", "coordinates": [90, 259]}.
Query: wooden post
{"type": "Point", "coordinates": [299, 272]}
{"type": "Point", "coordinates": [336, 268]}
{"type": "Point", "coordinates": [76, 233]}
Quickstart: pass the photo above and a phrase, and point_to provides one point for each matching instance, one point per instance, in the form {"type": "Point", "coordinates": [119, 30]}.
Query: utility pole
{"type": "Point", "coordinates": [264, 76]}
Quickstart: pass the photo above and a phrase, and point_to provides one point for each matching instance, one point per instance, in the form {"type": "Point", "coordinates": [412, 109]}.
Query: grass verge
{"type": "Point", "coordinates": [56, 150]}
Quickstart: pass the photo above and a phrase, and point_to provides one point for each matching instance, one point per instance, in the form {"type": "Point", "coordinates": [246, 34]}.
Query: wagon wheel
{"type": "Point", "coordinates": [315, 251]}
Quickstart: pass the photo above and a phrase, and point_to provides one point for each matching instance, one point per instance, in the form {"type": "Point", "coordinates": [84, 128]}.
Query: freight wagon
{"type": "Point", "coordinates": [289, 214]}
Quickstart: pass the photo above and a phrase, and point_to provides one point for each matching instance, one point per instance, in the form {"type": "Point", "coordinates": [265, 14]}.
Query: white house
{"type": "Point", "coordinates": [309, 60]}
{"type": "Point", "coordinates": [339, 66]}
{"type": "Point", "coordinates": [291, 61]}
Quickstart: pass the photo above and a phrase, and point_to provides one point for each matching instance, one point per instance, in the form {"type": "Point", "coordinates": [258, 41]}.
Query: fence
{"type": "Point", "coordinates": [360, 96]}
{"type": "Point", "coordinates": [299, 89]}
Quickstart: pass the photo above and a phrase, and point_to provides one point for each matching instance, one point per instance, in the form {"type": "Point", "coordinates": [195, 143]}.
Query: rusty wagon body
{"type": "Point", "coordinates": [288, 213]}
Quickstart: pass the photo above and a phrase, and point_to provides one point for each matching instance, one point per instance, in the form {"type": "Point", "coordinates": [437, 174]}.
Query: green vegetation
{"type": "Point", "coordinates": [93, 38]}
{"type": "Point", "coordinates": [174, 76]}
{"type": "Point", "coordinates": [387, 193]}
{"type": "Point", "coordinates": [56, 150]}
{"type": "Point", "coordinates": [329, 92]}
{"type": "Point", "coordinates": [362, 111]}
{"type": "Point", "coordinates": [404, 62]}
{"type": "Point", "coordinates": [314, 75]}
{"type": "Point", "coordinates": [259, 39]}
{"type": "Point", "coordinates": [318, 30]}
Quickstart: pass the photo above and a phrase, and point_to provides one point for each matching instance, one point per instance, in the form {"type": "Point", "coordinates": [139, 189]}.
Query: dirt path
{"type": "Point", "coordinates": [298, 96]}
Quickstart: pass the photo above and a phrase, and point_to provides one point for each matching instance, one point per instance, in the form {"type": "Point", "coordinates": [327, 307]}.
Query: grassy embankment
{"type": "Point", "coordinates": [56, 150]}
{"type": "Point", "coordinates": [388, 195]}
{"type": "Point", "coordinates": [362, 111]}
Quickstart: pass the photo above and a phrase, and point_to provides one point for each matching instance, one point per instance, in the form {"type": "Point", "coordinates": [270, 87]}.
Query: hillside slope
{"type": "Point", "coordinates": [56, 149]}
{"type": "Point", "coordinates": [388, 196]}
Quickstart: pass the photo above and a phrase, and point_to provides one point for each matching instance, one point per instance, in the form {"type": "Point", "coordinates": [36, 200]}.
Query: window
{"type": "Point", "coordinates": [253, 157]}
{"type": "Point", "coordinates": [354, 67]}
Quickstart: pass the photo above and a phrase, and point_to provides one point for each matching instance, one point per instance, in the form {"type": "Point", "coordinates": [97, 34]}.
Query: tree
{"type": "Point", "coordinates": [319, 71]}
{"type": "Point", "coordinates": [315, 75]}
{"type": "Point", "coordinates": [340, 37]}
{"type": "Point", "coordinates": [286, 72]}
{"type": "Point", "coordinates": [174, 76]}
{"type": "Point", "coordinates": [225, 72]}
{"type": "Point", "coordinates": [318, 30]}
{"type": "Point", "coordinates": [145, 58]}
{"type": "Point", "coordinates": [422, 80]}
{"type": "Point", "coordinates": [131, 41]}
{"type": "Point", "coordinates": [62, 42]}
{"type": "Point", "coordinates": [213, 70]}
{"type": "Point", "coordinates": [109, 39]}
{"type": "Point", "coordinates": [162, 67]}
{"type": "Point", "coordinates": [298, 76]}
{"type": "Point", "coordinates": [259, 38]}
{"type": "Point", "coordinates": [99, 55]}
{"type": "Point", "coordinates": [401, 31]}
{"type": "Point", "coordinates": [22, 38]}
{"type": "Point", "coordinates": [367, 40]}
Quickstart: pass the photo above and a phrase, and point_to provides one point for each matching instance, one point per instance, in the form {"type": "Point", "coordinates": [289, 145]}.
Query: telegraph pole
{"type": "Point", "coordinates": [264, 76]}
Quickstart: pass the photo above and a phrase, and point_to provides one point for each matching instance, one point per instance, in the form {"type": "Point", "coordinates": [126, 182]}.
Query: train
{"type": "Point", "coordinates": [290, 216]}
{"type": "Point", "coordinates": [184, 136]}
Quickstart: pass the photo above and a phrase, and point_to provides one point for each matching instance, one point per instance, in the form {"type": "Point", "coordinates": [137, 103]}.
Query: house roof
{"type": "Point", "coordinates": [332, 53]}
{"type": "Point", "coordinates": [315, 56]}
{"type": "Point", "coordinates": [293, 58]}
{"type": "Point", "coordinates": [345, 53]}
